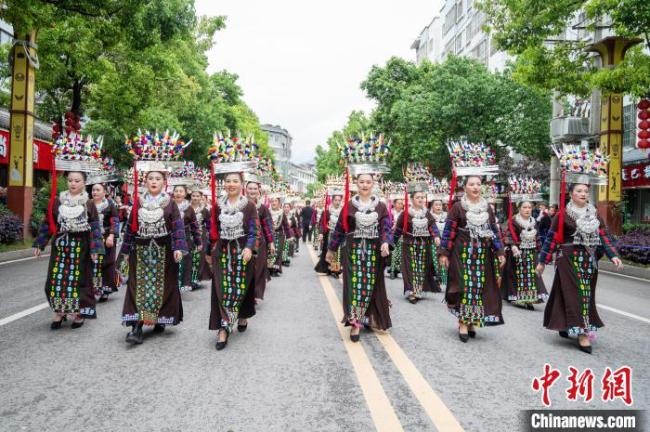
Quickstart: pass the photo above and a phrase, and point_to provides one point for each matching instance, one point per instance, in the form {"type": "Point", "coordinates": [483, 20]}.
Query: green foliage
{"type": "Point", "coordinates": [41, 201]}
{"type": "Point", "coordinates": [421, 107]}
{"type": "Point", "coordinates": [526, 27]}
{"type": "Point", "coordinates": [631, 227]}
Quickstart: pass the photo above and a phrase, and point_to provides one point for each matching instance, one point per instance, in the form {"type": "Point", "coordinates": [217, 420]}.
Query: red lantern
{"type": "Point", "coordinates": [644, 115]}
{"type": "Point", "coordinates": [643, 134]}
{"type": "Point", "coordinates": [643, 144]}
{"type": "Point", "coordinates": [643, 104]}
{"type": "Point", "coordinates": [645, 124]}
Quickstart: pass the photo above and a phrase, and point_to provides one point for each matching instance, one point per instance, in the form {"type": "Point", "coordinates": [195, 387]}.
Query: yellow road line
{"type": "Point", "coordinates": [435, 408]}
{"type": "Point", "coordinates": [382, 412]}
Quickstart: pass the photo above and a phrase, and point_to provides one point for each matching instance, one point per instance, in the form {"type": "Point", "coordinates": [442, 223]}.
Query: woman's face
{"type": "Point", "coordinates": [525, 209]}
{"type": "Point", "coordinates": [155, 182]}
{"type": "Point", "coordinates": [286, 208]}
{"type": "Point", "coordinates": [398, 204]}
{"type": "Point", "coordinates": [232, 185]}
{"type": "Point", "coordinates": [437, 206]}
{"type": "Point", "coordinates": [275, 204]}
{"type": "Point", "coordinates": [196, 198]}
{"type": "Point", "coordinates": [473, 187]}
{"type": "Point", "coordinates": [118, 200]}
{"type": "Point", "coordinates": [180, 193]}
{"type": "Point", "coordinates": [336, 201]}
{"type": "Point", "coordinates": [76, 183]}
{"type": "Point", "coordinates": [253, 190]}
{"type": "Point", "coordinates": [580, 194]}
{"type": "Point", "coordinates": [98, 192]}
{"type": "Point", "coordinates": [419, 199]}
{"type": "Point", "coordinates": [365, 183]}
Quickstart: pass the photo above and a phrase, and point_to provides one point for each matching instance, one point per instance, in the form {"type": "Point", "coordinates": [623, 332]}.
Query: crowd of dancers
{"type": "Point", "coordinates": [174, 228]}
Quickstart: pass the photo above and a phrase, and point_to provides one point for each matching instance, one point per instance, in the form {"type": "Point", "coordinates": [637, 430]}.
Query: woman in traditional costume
{"type": "Point", "coordinates": [577, 233]}
{"type": "Point", "coordinates": [470, 243]}
{"type": "Point", "coordinates": [234, 233]}
{"type": "Point", "coordinates": [192, 236]}
{"type": "Point", "coordinates": [327, 223]}
{"type": "Point", "coordinates": [396, 253]}
{"type": "Point", "coordinates": [320, 205]}
{"type": "Point", "coordinates": [289, 244]}
{"type": "Point", "coordinates": [73, 225]}
{"type": "Point", "coordinates": [363, 232]}
{"type": "Point", "coordinates": [104, 269]}
{"type": "Point", "coordinates": [281, 233]}
{"type": "Point", "coordinates": [521, 285]}
{"type": "Point", "coordinates": [439, 195]}
{"type": "Point", "coordinates": [154, 241]}
{"type": "Point", "coordinates": [418, 231]}
{"type": "Point", "coordinates": [200, 267]}
{"type": "Point", "coordinates": [266, 246]}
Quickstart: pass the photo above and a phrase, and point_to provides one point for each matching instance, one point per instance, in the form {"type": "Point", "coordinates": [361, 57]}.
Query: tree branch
{"type": "Point", "coordinates": [71, 7]}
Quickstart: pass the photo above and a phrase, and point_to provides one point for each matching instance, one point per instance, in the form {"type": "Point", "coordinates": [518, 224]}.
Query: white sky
{"type": "Point", "coordinates": [301, 62]}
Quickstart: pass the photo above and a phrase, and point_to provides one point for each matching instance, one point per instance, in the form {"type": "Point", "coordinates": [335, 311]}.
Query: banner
{"type": "Point", "coordinates": [636, 175]}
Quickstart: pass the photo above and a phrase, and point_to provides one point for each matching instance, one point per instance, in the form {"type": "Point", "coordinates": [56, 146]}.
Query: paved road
{"type": "Point", "coordinates": [292, 371]}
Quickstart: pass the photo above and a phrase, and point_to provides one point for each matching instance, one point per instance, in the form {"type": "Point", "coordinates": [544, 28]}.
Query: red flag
{"type": "Point", "coordinates": [214, 233]}
{"type": "Point", "coordinates": [452, 188]}
{"type": "Point", "coordinates": [134, 209]}
{"type": "Point", "coordinates": [324, 218]}
{"type": "Point", "coordinates": [50, 206]}
{"type": "Point", "coordinates": [559, 234]}
{"type": "Point", "coordinates": [511, 226]}
{"type": "Point", "coordinates": [346, 197]}
{"type": "Point", "coordinates": [405, 213]}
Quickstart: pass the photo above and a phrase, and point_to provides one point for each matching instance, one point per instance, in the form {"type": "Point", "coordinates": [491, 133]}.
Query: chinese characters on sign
{"type": "Point", "coordinates": [614, 385]}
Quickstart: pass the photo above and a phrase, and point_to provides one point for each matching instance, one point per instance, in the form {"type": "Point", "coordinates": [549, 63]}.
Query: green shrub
{"type": "Point", "coordinates": [41, 201]}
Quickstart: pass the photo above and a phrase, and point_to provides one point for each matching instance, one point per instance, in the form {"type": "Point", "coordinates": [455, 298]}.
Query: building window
{"type": "Point", "coordinates": [460, 10]}
{"type": "Point", "coordinates": [450, 20]}
{"type": "Point", "coordinates": [459, 43]}
{"type": "Point", "coordinates": [629, 126]}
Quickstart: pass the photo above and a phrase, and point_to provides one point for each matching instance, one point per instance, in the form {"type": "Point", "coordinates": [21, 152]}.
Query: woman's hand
{"type": "Point", "coordinates": [385, 250]}
{"type": "Point", "coordinates": [444, 261]}
{"type": "Point", "coordinates": [208, 259]}
{"type": "Point", "coordinates": [37, 252]}
{"type": "Point", "coordinates": [437, 241]}
{"type": "Point", "coordinates": [618, 263]}
{"type": "Point", "coordinates": [320, 237]}
{"type": "Point", "coordinates": [178, 256]}
{"type": "Point", "coordinates": [515, 251]}
{"type": "Point", "coordinates": [246, 255]}
{"type": "Point", "coordinates": [110, 241]}
{"type": "Point", "coordinates": [502, 260]}
{"type": "Point", "coordinates": [540, 268]}
{"type": "Point", "coordinates": [329, 257]}
{"type": "Point", "coordinates": [272, 248]}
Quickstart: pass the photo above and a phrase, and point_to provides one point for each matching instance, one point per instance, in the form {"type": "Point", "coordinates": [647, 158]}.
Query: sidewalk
{"type": "Point", "coordinates": [628, 270]}
{"type": "Point", "coordinates": [20, 254]}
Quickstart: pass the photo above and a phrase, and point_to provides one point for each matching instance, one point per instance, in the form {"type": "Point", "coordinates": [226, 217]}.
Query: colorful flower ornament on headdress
{"type": "Point", "coordinates": [417, 177]}
{"type": "Point", "coordinates": [439, 189]}
{"type": "Point", "coordinates": [366, 154]}
{"type": "Point", "coordinates": [73, 152]}
{"type": "Point", "coordinates": [524, 189]}
{"type": "Point", "coordinates": [470, 159]}
{"type": "Point", "coordinates": [335, 185]}
{"type": "Point", "coordinates": [231, 154]}
{"type": "Point", "coordinates": [156, 152]}
{"type": "Point", "coordinates": [107, 173]}
{"type": "Point", "coordinates": [581, 165]}
{"type": "Point", "coordinates": [184, 175]}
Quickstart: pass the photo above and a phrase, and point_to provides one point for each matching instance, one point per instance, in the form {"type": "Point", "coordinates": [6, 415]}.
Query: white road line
{"type": "Point", "coordinates": [23, 259]}
{"type": "Point", "coordinates": [623, 276]}
{"type": "Point", "coordinates": [24, 313]}
{"type": "Point", "coordinates": [626, 314]}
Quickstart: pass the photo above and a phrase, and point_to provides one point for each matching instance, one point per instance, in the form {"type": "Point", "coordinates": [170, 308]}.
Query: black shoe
{"type": "Point", "coordinates": [241, 328]}
{"type": "Point", "coordinates": [55, 325]}
{"type": "Point", "coordinates": [464, 337]}
{"type": "Point", "coordinates": [584, 349]}
{"type": "Point", "coordinates": [159, 328]}
{"type": "Point", "coordinates": [530, 307]}
{"type": "Point", "coordinates": [471, 333]}
{"type": "Point", "coordinates": [135, 335]}
{"type": "Point", "coordinates": [412, 300]}
{"type": "Point", "coordinates": [354, 338]}
{"type": "Point", "coordinates": [392, 276]}
{"type": "Point", "coordinates": [103, 298]}
{"type": "Point", "coordinates": [222, 345]}
{"type": "Point", "coordinates": [77, 324]}
{"type": "Point", "coordinates": [564, 334]}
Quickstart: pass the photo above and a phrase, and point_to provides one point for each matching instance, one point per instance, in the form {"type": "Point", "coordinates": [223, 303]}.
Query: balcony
{"type": "Point", "coordinates": [569, 129]}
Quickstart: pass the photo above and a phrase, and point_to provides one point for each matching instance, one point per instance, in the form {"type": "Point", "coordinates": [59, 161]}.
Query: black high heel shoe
{"type": "Point", "coordinates": [56, 325]}
{"type": "Point", "coordinates": [584, 349]}
{"type": "Point", "coordinates": [464, 337]}
{"type": "Point", "coordinates": [564, 334]}
{"type": "Point", "coordinates": [530, 307]}
{"type": "Point", "coordinates": [159, 328]}
{"type": "Point", "coordinates": [471, 333]}
{"type": "Point", "coordinates": [221, 345]}
{"type": "Point", "coordinates": [135, 335]}
{"type": "Point", "coordinates": [77, 324]}
{"type": "Point", "coordinates": [241, 328]}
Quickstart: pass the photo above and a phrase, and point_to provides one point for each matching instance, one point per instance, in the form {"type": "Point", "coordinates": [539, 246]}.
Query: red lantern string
{"type": "Point", "coordinates": [511, 225]}
{"type": "Point", "coordinates": [136, 201]}
{"type": "Point", "coordinates": [452, 188]}
{"type": "Point", "coordinates": [214, 233]}
{"type": "Point", "coordinates": [50, 206]}
{"type": "Point", "coordinates": [559, 234]}
{"type": "Point", "coordinates": [346, 204]}
{"type": "Point", "coordinates": [405, 213]}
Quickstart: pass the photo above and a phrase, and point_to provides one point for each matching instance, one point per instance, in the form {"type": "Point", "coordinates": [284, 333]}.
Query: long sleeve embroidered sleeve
{"type": "Point", "coordinates": [179, 242]}
{"type": "Point", "coordinates": [96, 238]}
{"type": "Point", "coordinates": [549, 245]}
{"type": "Point", "coordinates": [337, 236]}
{"type": "Point", "coordinates": [450, 231]}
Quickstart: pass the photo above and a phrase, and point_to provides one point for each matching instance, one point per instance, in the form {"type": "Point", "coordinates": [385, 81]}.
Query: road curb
{"type": "Point", "coordinates": [628, 270]}
{"type": "Point", "coordinates": [19, 254]}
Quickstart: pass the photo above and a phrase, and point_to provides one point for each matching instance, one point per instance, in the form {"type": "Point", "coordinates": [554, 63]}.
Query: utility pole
{"type": "Point", "coordinates": [21, 125]}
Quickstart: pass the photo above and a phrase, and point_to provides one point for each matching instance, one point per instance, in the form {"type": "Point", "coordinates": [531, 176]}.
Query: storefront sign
{"type": "Point", "coordinates": [636, 175]}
